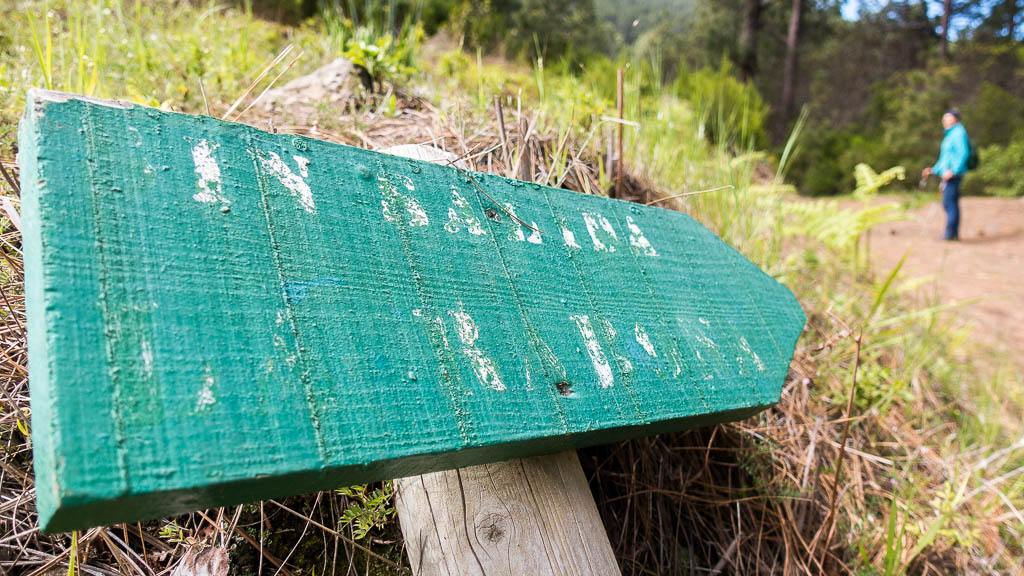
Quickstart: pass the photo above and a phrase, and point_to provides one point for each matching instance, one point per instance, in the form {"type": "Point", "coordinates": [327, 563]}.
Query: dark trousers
{"type": "Point", "coordinates": [951, 202]}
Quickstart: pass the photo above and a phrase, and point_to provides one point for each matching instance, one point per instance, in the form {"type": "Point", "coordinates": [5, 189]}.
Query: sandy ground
{"type": "Point", "coordinates": [987, 264]}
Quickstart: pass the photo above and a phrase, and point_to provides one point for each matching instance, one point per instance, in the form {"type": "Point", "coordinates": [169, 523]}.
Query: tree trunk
{"type": "Point", "coordinates": [947, 14]}
{"type": "Point", "coordinates": [748, 40]}
{"type": "Point", "coordinates": [1011, 17]}
{"type": "Point", "coordinates": [789, 67]}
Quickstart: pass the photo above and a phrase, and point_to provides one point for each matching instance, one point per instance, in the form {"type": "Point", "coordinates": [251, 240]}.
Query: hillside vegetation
{"type": "Point", "coordinates": [891, 452]}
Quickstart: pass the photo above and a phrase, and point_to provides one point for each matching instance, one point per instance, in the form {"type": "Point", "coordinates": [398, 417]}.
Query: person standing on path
{"type": "Point", "coordinates": [951, 167]}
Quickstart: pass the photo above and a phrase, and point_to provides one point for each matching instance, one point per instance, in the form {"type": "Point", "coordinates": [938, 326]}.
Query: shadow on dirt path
{"type": "Point", "coordinates": [987, 264]}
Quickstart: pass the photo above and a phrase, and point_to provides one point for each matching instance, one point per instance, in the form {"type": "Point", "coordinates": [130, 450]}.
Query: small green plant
{"type": "Point", "coordinates": [367, 509]}
{"type": "Point", "coordinates": [383, 57]}
{"type": "Point", "coordinates": [173, 533]}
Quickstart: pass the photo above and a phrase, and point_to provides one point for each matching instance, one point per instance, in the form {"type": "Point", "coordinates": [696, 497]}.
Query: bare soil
{"type": "Point", "coordinates": [986, 264]}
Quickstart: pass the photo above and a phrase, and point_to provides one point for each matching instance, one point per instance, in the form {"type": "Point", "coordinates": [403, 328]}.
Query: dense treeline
{"type": "Point", "coordinates": [873, 76]}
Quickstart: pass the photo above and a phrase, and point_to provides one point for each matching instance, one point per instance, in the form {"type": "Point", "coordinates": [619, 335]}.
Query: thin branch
{"type": "Point", "coordinates": [684, 194]}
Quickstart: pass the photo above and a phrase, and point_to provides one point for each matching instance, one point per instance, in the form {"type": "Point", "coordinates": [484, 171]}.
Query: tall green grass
{"type": "Point", "coordinates": [151, 53]}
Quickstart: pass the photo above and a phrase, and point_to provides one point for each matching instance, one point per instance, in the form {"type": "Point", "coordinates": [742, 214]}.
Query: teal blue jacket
{"type": "Point", "coordinates": [953, 153]}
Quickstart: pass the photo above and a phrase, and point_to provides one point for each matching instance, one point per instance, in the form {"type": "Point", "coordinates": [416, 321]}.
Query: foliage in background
{"type": "Point", "coordinates": [730, 110]}
{"type": "Point", "coordinates": [1001, 169]}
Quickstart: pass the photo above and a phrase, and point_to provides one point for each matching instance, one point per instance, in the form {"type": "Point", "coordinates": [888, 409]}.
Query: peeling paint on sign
{"type": "Point", "coordinates": [207, 173]}
{"type": "Point", "coordinates": [462, 213]}
{"type": "Point", "coordinates": [394, 201]}
{"type": "Point", "coordinates": [604, 371]}
{"type": "Point", "coordinates": [274, 165]}
{"type": "Point", "coordinates": [645, 341]}
{"type": "Point", "coordinates": [601, 232]}
{"type": "Point", "coordinates": [637, 239]}
{"type": "Point", "coordinates": [517, 234]}
{"type": "Point", "coordinates": [483, 366]}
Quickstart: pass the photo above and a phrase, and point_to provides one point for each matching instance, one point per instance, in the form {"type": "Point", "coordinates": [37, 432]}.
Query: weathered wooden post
{"type": "Point", "coordinates": [219, 315]}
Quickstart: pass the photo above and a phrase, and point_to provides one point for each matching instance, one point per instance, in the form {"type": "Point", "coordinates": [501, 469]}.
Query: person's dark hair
{"type": "Point", "coordinates": [955, 112]}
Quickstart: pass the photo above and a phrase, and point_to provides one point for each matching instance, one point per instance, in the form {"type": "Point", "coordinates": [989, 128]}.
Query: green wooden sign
{"type": "Point", "coordinates": [219, 315]}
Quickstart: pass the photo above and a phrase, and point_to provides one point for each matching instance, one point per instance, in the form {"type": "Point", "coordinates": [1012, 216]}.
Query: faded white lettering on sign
{"type": "Point", "coordinates": [604, 371]}
{"type": "Point", "coordinates": [394, 200]}
{"type": "Point", "coordinates": [138, 136]}
{"type": "Point", "coordinates": [569, 237]}
{"type": "Point", "coordinates": [645, 341]}
{"type": "Point", "coordinates": [206, 398]}
{"type": "Point", "coordinates": [518, 235]}
{"type": "Point", "coordinates": [601, 232]}
{"type": "Point", "coordinates": [303, 164]}
{"type": "Point", "coordinates": [295, 184]}
{"type": "Point", "coordinates": [483, 366]}
{"type": "Point", "coordinates": [637, 239]}
{"type": "Point", "coordinates": [207, 172]}
{"type": "Point", "coordinates": [462, 213]}
{"type": "Point", "coordinates": [745, 346]}
{"type": "Point", "coordinates": [147, 358]}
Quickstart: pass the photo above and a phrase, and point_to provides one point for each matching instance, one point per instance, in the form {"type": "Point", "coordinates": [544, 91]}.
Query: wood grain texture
{"type": "Point", "coordinates": [524, 516]}
{"type": "Point", "coordinates": [219, 315]}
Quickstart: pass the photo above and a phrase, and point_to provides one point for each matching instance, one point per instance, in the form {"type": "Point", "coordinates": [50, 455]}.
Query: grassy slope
{"type": "Point", "coordinates": [939, 427]}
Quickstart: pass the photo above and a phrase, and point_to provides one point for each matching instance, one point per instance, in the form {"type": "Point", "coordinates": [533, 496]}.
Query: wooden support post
{"type": "Point", "coordinates": [532, 516]}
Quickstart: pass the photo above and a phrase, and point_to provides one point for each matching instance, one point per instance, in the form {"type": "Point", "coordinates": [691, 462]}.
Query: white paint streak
{"type": "Point", "coordinates": [598, 225]}
{"type": "Point", "coordinates": [624, 364]}
{"type": "Point", "coordinates": [569, 237]}
{"type": "Point", "coordinates": [708, 342]}
{"type": "Point", "coordinates": [637, 239]}
{"type": "Point", "coordinates": [443, 330]}
{"type": "Point", "coordinates": [273, 164]}
{"type": "Point", "coordinates": [482, 365]}
{"type": "Point", "coordinates": [518, 234]}
{"type": "Point", "coordinates": [138, 136]}
{"type": "Point", "coordinates": [147, 359]}
{"type": "Point", "coordinates": [461, 206]}
{"type": "Point", "coordinates": [645, 341]}
{"type": "Point", "coordinates": [674, 353]}
{"type": "Point", "coordinates": [753, 355]}
{"type": "Point", "coordinates": [417, 215]}
{"type": "Point", "coordinates": [303, 164]}
{"type": "Point", "coordinates": [208, 173]}
{"type": "Point", "coordinates": [206, 398]}
{"type": "Point", "coordinates": [594, 350]}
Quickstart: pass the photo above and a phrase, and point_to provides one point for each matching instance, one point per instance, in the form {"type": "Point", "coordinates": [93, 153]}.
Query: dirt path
{"type": "Point", "coordinates": [988, 263]}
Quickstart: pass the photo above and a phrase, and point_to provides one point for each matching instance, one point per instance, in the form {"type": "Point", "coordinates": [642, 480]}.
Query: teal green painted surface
{"type": "Point", "coordinates": [218, 315]}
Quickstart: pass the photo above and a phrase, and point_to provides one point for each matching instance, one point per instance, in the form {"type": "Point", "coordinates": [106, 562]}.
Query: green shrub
{"type": "Point", "coordinates": [993, 115]}
{"type": "Point", "coordinates": [1000, 169]}
{"type": "Point", "coordinates": [730, 111]}
{"type": "Point", "coordinates": [384, 57]}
